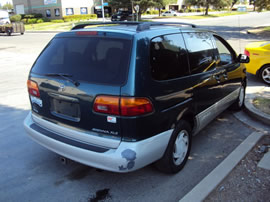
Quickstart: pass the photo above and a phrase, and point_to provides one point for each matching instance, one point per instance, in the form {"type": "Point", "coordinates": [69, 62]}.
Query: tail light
{"type": "Point", "coordinates": [246, 53]}
{"type": "Point", "coordinates": [135, 106]}
{"type": "Point", "coordinates": [107, 105]}
{"type": "Point", "coordinates": [33, 88]}
{"type": "Point", "coordinates": [124, 106]}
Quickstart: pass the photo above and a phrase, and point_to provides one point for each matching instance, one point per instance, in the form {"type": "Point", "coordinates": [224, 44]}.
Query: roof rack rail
{"type": "Point", "coordinates": [141, 26]}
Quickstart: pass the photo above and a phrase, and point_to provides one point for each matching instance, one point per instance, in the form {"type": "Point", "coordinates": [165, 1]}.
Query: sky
{"type": "Point", "coordinates": [3, 2]}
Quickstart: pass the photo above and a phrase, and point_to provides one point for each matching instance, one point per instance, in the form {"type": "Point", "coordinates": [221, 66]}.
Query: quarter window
{"type": "Point", "coordinates": [224, 54]}
{"type": "Point", "coordinates": [168, 57]}
{"type": "Point", "coordinates": [200, 51]}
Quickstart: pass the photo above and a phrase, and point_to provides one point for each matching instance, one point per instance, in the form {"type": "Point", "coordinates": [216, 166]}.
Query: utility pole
{"type": "Point", "coordinates": [102, 7]}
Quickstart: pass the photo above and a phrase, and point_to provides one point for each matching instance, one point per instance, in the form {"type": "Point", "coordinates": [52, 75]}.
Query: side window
{"type": "Point", "coordinates": [225, 56]}
{"type": "Point", "coordinates": [168, 57]}
{"type": "Point", "coordinates": [200, 51]}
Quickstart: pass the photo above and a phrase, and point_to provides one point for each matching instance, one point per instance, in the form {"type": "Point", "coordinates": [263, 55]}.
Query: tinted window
{"type": "Point", "coordinates": [91, 59]}
{"type": "Point", "coordinates": [168, 57]}
{"type": "Point", "coordinates": [200, 51]}
{"type": "Point", "coordinates": [224, 54]}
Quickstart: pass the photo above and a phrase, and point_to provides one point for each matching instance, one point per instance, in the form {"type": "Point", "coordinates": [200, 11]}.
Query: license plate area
{"type": "Point", "coordinates": [65, 109]}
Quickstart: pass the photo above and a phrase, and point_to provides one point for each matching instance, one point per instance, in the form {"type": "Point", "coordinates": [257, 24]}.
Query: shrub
{"type": "Point", "coordinates": [15, 18]}
{"type": "Point", "coordinates": [57, 21]}
{"type": "Point", "coordinates": [40, 20]}
{"type": "Point", "coordinates": [32, 21]}
{"type": "Point", "coordinates": [46, 20]}
{"type": "Point", "coordinates": [162, 11]}
{"type": "Point", "coordinates": [155, 12]}
{"type": "Point", "coordinates": [29, 16]}
{"type": "Point", "coordinates": [24, 21]}
{"type": "Point", "coordinates": [181, 11]}
{"type": "Point", "coordinates": [199, 10]}
{"type": "Point", "coordinates": [38, 15]}
{"type": "Point", "coordinates": [79, 17]}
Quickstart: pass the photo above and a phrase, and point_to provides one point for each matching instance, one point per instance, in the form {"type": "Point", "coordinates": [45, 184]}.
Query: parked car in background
{"type": "Point", "coordinates": [4, 17]}
{"type": "Point", "coordinates": [124, 95]}
{"type": "Point", "coordinates": [170, 13]}
{"type": "Point", "coordinates": [259, 53]}
{"type": "Point", "coordinates": [123, 16]}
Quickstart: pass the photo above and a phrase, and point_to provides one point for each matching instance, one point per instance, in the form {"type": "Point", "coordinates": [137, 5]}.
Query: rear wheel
{"type": "Point", "coordinates": [265, 74]}
{"type": "Point", "coordinates": [177, 152]}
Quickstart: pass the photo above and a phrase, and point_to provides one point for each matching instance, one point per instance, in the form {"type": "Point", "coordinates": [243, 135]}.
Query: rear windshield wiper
{"type": "Point", "coordinates": [64, 76]}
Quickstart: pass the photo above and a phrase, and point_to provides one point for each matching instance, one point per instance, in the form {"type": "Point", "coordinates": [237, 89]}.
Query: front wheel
{"type": "Point", "coordinates": [265, 74]}
{"type": "Point", "coordinates": [178, 149]}
{"type": "Point", "coordinates": [239, 103]}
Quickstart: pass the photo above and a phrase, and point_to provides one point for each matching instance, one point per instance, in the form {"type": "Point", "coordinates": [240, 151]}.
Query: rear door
{"type": "Point", "coordinates": [72, 71]}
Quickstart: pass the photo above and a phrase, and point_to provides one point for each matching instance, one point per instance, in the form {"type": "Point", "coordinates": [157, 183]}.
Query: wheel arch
{"type": "Point", "coordinates": [260, 69]}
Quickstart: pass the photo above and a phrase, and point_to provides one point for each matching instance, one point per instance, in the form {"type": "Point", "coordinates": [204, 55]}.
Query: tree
{"type": "Point", "coordinates": [208, 3]}
{"type": "Point", "coordinates": [162, 3]}
{"type": "Point", "coordinates": [7, 6]}
{"type": "Point", "coordinates": [261, 4]}
{"type": "Point", "coordinates": [143, 4]}
{"type": "Point", "coordinates": [234, 2]}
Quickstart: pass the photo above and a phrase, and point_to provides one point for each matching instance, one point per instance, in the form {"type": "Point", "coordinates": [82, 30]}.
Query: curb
{"type": "Point", "coordinates": [254, 112]}
{"type": "Point", "coordinates": [212, 180]}
{"type": "Point", "coordinates": [45, 32]}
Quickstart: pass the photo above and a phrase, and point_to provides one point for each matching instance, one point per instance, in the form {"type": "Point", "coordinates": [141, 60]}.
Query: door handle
{"type": "Point", "coordinates": [225, 75]}
{"type": "Point", "coordinates": [217, 77]}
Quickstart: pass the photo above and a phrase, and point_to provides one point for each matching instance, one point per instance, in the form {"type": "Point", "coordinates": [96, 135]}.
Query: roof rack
{"type": "Point", "coordinates": [141, 26]}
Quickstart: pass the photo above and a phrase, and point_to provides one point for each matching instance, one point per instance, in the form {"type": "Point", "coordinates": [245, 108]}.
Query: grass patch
{"type": "Point", "coordinates": [267, 29]}
{"type": "Point", "coordinates": [195, 17]}
{"type": "Point", "coordinates": [49, 26]}
{"type": "Point", "coordinates": [262, 104]}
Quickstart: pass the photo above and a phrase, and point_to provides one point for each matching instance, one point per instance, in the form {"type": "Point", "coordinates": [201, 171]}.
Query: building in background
{"type": "Point", "coordinates": [177, 6]}
{"type": "Point", "coordinates": [59, 8]}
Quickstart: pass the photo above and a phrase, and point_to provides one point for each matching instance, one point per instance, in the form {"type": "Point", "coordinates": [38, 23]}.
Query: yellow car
{"type": "Point", "coordinates": [259, 54]}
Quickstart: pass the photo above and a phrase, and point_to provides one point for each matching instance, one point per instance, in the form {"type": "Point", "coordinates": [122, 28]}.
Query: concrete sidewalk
{"type": "Point", "coordinates": [211, 181]}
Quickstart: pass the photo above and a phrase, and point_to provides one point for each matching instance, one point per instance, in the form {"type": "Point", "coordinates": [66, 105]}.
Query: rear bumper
{"type": "Point", "coordinates": [128, 156]}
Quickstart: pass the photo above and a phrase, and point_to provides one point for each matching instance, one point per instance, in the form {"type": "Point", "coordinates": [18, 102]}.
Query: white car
{"type": "Point", "coordinates": [170, 13]}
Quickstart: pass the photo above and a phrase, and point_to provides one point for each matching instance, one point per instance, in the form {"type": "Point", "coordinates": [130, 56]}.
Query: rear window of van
{"type": "Point", "coordinates": [91, 59]}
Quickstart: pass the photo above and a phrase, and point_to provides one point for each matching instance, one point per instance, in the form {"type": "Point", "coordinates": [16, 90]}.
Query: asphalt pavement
{"type": "Point", "coordinates": [31, 173]}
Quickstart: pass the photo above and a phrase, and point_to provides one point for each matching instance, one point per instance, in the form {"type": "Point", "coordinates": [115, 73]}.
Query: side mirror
{"type": "Point", "coordinates": [242, 58]}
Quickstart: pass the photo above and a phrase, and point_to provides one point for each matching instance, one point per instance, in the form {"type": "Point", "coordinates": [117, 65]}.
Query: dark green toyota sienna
{"type": "Point", "coordinates": [120, 96]}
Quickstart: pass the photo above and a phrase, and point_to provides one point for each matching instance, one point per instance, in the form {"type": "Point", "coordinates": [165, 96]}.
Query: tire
{"type": "Point", "coordinates": [178, 149]}
{"type": "Point", "coordinates": [239, 103]}
{"type": "Point", "coordinates": [265, 74]}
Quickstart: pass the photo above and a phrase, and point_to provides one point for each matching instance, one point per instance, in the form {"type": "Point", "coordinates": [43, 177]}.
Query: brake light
{"type": "Point", "coordinates": [125, 106]}
{"type": "Point", "coordinates": [33, 88]}
{"type": "Point", "coordinates": [135, 106]}
{"type": "Point", "coordinates": [107, 105]}
{"type": "Point", "coordinates": [87, 33]}
{"type": "Point", "coordinates": [246, 53]}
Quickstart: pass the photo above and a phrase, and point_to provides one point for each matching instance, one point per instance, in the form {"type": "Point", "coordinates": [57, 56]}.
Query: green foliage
{"type": "Point", "coordinates": [40, 20]}
{"type": "Point", "coordinates": [152, 12]}
{"type": "Point", "coordinates": [219, 4]}
{"type": "Point", "coordinates": [15, 18]}
{"type": "Point", "coordinates": [79, 17]}
{"type": "Point", "coordinates": [57, 21]}
{"type": "Point", "coordinates": [33, 15]}
{"type": "Point", "coordinates": [262, 4]}
{"type": "Point", "coordinates": [7, 6]}
{"type": "Point", "coordinates": [32, 21]}
{"type": "Point", "coordinates": [46, 19]}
